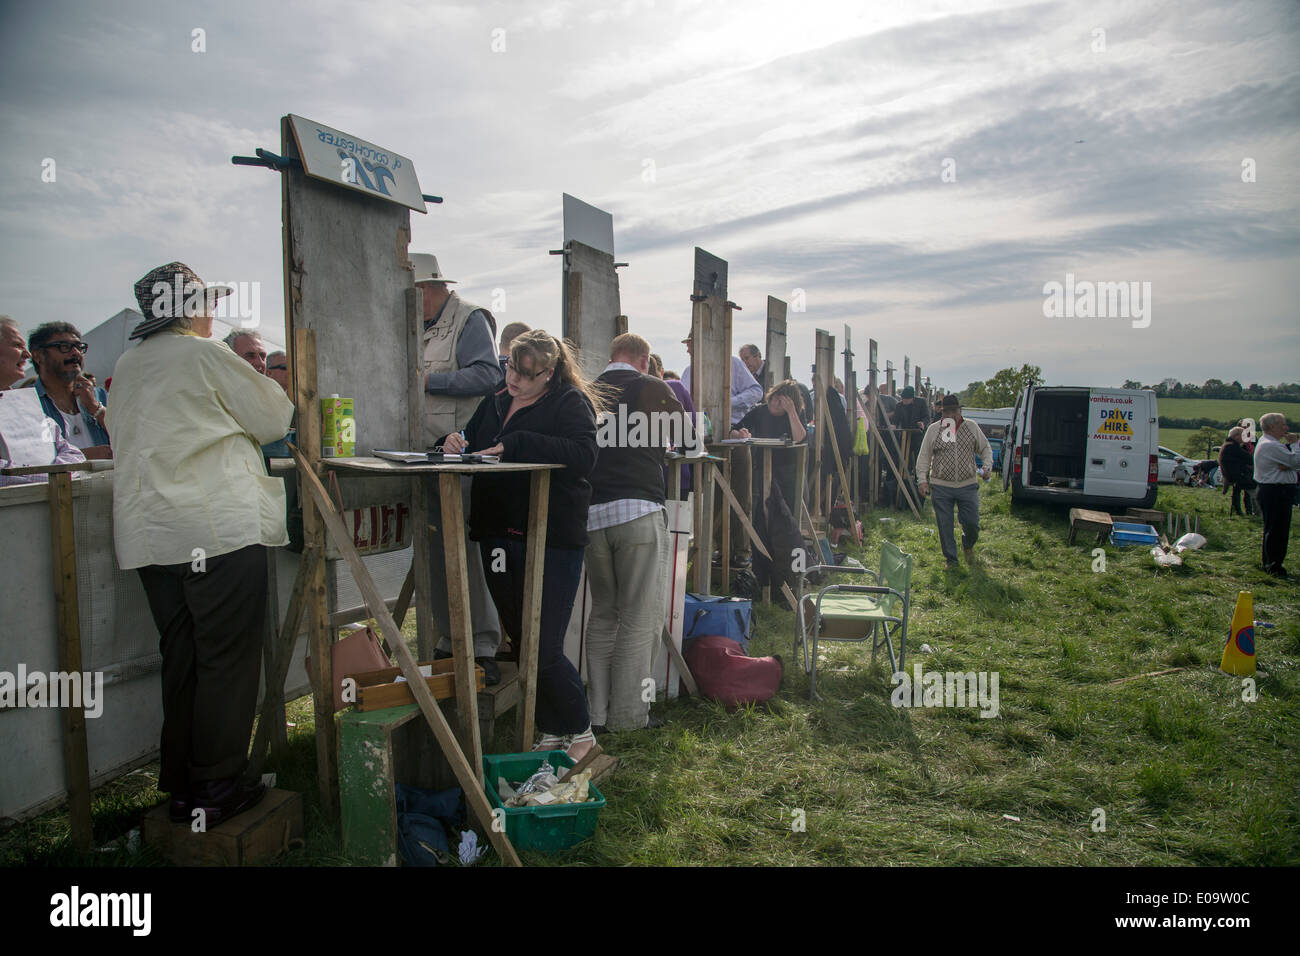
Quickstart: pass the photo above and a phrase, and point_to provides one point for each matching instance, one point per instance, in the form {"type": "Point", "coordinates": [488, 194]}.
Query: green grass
{"type": "Point", "coordinates": [1222, 409]}
{"type": "Point", "coordinates": [1186, 772]}
{"type": "Point", "coordinates": [1176, 438]}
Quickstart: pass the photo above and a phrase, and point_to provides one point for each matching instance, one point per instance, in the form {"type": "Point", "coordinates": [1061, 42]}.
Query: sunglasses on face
{"type": "Point", "coordinates": [65, 347]}
{"type": "Point", "coordinates": [278, 368]}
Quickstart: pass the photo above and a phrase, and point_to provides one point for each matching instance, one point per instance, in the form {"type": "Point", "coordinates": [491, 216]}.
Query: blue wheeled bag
{"type": "Point", "coordinates": [706, 615]}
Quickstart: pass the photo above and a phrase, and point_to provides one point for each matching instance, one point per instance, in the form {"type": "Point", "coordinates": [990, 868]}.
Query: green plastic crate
{"type": "Point", "coordinates": [548, 829]}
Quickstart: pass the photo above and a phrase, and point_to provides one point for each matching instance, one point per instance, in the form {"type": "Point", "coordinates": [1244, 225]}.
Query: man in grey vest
{"type": "Point", "coordinates": [459, 365]}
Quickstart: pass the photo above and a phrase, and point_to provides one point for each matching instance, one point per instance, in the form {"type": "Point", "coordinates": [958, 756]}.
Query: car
{"type": "Point", "coordinates": [1174, 468]}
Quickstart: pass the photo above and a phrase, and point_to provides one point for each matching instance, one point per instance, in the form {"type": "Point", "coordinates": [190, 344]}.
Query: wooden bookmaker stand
{"type": "Point", "coordinates": [353, 318]}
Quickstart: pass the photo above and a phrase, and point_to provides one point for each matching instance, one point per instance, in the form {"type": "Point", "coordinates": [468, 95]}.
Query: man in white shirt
{"type": "Point", "coordinates": [1277, 461]}
{"type": "Point", "coordinates": [194, 511]}
{"type": "Point", "coordinates": [13, 364]}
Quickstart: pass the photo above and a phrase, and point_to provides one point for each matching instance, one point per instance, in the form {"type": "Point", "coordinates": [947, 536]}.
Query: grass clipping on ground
{"type": "Point", "coordinates": [1171, 770]}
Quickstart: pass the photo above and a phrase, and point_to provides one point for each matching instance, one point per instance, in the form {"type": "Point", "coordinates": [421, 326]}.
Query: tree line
{"type": "Point", "coordinates": [1217, 388]}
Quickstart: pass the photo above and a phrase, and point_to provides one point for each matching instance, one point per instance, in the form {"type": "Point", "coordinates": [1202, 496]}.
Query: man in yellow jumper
{"type": "Point", "coordinates": [947, 461]}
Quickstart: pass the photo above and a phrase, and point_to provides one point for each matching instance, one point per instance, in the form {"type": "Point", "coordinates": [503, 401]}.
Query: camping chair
{"type": "Point", "coordinates": [856, 612]}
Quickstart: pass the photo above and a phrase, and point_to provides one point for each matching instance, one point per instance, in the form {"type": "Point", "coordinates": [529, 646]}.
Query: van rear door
{"type": "Point", "coordinates": [1119, 440]}
{"type": "Point", "coordinates": [1011, 444]}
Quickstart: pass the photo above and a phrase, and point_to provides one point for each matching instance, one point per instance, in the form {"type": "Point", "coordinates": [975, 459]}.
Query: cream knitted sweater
{"type": "Point", "coordinates": [951, 464]}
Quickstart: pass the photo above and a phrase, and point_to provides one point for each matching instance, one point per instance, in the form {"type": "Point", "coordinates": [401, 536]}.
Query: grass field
{"type": "Point", "coordinates": [1176, 438]}
{"type": "Point", "coordinates": [1223, 409]}
{"type": "Point", "coordinates": [1185, 770]}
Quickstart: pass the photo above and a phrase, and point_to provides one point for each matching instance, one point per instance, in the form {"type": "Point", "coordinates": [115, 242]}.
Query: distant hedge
{"type": "Point", "coordinates": [1195, 423]}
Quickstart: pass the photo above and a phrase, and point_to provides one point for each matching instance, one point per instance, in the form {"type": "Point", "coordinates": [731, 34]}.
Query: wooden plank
{"type": "Point", "coordinates": [469, 778]}
{"type": "Point", "coordinates": [286, 637]}
{"type": "Point", "coordinates": [744, 518]}
{"type": "Point", "coordinates": [407, 593]}
{"type": "Point", "coordinates": [383, 696]}
{"type": "Point", "coordinates": [823, 373]}
{"type": "Point", "coordinates": [530, 638]}
{"type": "Point", "coordinates": [572, 328]}
{"type": "Point", "coordinates": [844, 480]}
{"type": "Point", "coordinates": [426, 633]}
{"type": "Point", "coordinates": [683, 671]}
{"type": "Point", "coordinates": [320, 634]}
{"type": "Point", "coordinates": [873, 408]}
{"type": "Point", "coordinates": [897, 477]}
{"type": "Point", "coordinates": [49, 469]}
{"type": "Point", "coordinates": [724, 523]}
{"type": "Point", "coordinates": [76, 754]}
{"type": "Point", "coordinates": [775, 343]}
{"type": "Point", "coordinates": [458, 616]}
{"type": "Point", "coordinates": [272, 693]}
{"type": "Point", "coordinates": [762, 508]}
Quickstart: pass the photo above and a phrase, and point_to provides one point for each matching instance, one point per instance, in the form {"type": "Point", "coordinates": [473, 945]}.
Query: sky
{"type": "Point", "coordinates": [919, 171]}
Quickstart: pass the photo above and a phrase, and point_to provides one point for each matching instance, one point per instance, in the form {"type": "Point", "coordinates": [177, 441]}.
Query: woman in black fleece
{"type": "Point", "coordinates": [546, 413]}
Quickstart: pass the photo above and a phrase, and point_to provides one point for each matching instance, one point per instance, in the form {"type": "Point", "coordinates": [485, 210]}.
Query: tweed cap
{"type": "Point", "coordinates": [169, 292]}
{"type": "Point", "coordinates": [907, 392]}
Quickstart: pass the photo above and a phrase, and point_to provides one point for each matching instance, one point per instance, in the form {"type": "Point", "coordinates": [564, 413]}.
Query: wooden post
{"type": "Point", "coordinates": [573, 307]}
{"type": "Point", "coordinates": [422, 490]}
{"type": "Point", "coordinates": [724, 524]}
{"type": "Point", "coordinates": [76, 754]}
{"type": "Point", "coordinates": [538, 508]}
{"type": "Point", "coordinates": [320, 633]}
{"type": "Point", "coordinates": [470, 779]}
{"type": "Point", "coordinates": [844, 482]}
{"type": "Point", "coordinates": [761, 508]}
{"type": "Point", "coordinates": [287, 636]}
{"type": "Point", "coordinates": [458, 616]}
{"type": "Point", "coordinates": [873, 461]}
{"type": "Point", "coordinates": [774, 358]}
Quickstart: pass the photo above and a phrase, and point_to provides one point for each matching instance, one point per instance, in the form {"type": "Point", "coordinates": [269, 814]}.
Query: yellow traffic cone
{"type": "Point", "coordinates": [1239, 652]}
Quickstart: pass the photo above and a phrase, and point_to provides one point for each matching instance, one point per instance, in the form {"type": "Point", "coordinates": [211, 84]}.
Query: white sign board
{"type": "Point", "coordinates": [336, 157]}
{"type": "Point", "coordinates": [588, 225]}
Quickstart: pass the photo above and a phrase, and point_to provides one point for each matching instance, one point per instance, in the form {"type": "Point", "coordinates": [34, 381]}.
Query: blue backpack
{"type": "Point", "coordinates": [706, 615]}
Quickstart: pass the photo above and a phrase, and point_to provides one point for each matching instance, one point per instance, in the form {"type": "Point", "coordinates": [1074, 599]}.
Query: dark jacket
{"type": "Point", "coordinates": [635, 472]}
{"type": "Point", "coordinates": [560, 429]}
{"type": "Point", "coordinates": [1237, 463]}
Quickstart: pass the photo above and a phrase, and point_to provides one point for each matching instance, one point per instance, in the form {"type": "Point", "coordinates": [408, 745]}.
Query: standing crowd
{"type": "Point", "coordinates": [192, 420]}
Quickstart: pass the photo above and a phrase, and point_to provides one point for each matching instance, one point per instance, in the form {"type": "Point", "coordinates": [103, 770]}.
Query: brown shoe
{"type": "Point", "coordinates": [970, 555]}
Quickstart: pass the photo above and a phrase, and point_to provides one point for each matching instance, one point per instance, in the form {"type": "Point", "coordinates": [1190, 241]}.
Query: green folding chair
{"type": "Point", "coordinates": [856, 612]}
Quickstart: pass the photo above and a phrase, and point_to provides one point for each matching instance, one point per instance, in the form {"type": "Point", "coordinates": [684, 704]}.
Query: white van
{"type": "Point", "coordinates": [1083, 447]}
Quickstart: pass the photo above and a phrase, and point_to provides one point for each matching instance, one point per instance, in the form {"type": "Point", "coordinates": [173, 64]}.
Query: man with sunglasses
{"type": "Point", "coordinates": [277, 367]}
{"type": "Point", "coordinates": [68, 397]}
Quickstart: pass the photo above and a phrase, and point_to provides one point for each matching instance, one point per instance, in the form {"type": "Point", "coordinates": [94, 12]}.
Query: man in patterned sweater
{"type": "Point", "coordinates": [947, 461]}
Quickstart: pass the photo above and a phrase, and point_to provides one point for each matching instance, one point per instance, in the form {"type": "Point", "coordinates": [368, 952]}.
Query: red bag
{"type": "Point", "coordinates": [725, 673]}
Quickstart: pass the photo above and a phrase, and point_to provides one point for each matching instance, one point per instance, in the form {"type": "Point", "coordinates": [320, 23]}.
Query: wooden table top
{"type": "Point", "coordinates": [382, 466]}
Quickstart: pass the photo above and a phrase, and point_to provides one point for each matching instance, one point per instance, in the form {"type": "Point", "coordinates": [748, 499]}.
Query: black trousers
{"type": "Point", "coordinates": [1275, 503]}
{"type": "Point", "coordinates": [212, 624]}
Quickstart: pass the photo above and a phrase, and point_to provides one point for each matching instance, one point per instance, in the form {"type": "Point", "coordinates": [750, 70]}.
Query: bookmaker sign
{"type": "Point", "coordinates": [333, 155]}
